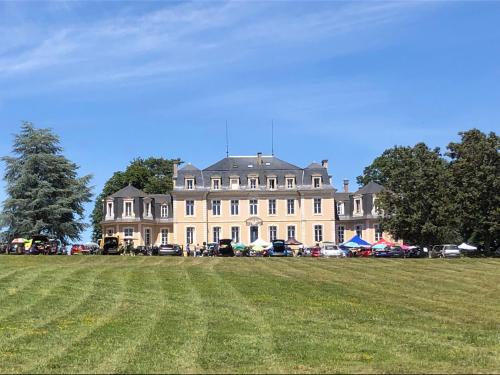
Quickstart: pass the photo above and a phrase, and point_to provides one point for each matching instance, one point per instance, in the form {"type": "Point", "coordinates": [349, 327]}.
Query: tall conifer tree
{"type": "Point", "coordinates": [44, 193]}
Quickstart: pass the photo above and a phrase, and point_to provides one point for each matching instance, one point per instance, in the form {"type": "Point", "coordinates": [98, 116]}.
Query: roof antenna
{"type": "Point", "coordinates": [272, 137]}
{"type": "Point", "coordinates": [227, 142]}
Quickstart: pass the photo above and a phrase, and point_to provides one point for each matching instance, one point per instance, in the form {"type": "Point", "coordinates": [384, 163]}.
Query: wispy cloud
{"type": "Point", "coordinates": [180, 38]}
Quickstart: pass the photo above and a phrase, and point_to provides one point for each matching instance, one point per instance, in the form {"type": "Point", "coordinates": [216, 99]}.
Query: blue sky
{"type": "Point", "coordinates": [342, 80]}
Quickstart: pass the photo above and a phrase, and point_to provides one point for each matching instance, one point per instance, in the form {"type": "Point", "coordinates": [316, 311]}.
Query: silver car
{"type": "Point", "coordinates": [445, 251]}
{"type": "Point", "coordinates": [329, 249]}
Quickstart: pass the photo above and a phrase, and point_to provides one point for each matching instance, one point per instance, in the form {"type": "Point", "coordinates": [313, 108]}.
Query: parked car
{"type": "Point", "coordinates": [365, 253]}
{"type": "Point", "coordinates": [329, 249]}
{"type": "Point", "coordinates": [279, 249]}
{"type": "Point", "coordinates": [416, 252]}
{"type": "Point", "coordinates": [316, 251]}
{"type": "Point", "coordinates": [389, 252]}
{"type": "Point", "coordinates": [445, 251]}
{"type": "Point", "coordinates": [170, 249]}
{"type": "Point", "coordinates": [225, 248]}
{"type": "Point", "coordinates": [39, 245]}
{"type": "Point", "coordinates": [111, 245]}
{"type": "Point", "coordinates": [77, 248]}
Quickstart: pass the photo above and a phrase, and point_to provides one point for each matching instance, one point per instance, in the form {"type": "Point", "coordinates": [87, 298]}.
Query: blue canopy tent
{"type": "Point", "coordinates": [356, 241]}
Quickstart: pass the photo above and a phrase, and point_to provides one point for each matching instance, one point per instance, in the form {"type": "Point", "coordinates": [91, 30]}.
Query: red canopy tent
{"type": "Point", "coordinates": [382, 243]}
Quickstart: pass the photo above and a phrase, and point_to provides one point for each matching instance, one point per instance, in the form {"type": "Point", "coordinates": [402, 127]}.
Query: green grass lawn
{"type": "Point", "coordinates": [98, 314]}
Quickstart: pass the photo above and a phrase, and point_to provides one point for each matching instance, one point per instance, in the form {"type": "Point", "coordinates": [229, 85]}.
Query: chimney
{"type": "Point", "coordinates": [324, 163]}
{"type": "Point", "coordinates": [175, 168]}
{"type": "Point", "coordinates": [346, 186]}
{"type": "Point", "coordinates": [259, 158]}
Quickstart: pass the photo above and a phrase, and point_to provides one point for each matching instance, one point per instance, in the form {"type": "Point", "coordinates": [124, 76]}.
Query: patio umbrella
{"type": "Point", "coordinates": [257, 248]}
{"type": "Point", "coordinates": [293, 241]}
{"type": "Point", "coordinates": [464, 246]}
{"type": "Point", "coordinates": [260, 242]}
{"type": "Point", "coordinates": [18, 241]}
{"type": "Point", "coordinates": [239, 246]}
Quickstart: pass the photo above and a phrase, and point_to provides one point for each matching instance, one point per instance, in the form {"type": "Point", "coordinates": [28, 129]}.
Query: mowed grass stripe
{"type": "Point", "coordinates": [148, 314]}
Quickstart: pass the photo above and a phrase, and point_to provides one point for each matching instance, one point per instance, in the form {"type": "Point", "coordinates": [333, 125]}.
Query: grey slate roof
{"type": "Point", "coordinates": [129, 191]}
{"type": "Point", "coordinates": [370, 188]}
{"type": "Point", "coordinates": [243, 166]}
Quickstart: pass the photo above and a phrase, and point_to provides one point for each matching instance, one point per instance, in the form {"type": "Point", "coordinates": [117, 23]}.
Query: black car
{"type": "Point", "coordinates": [389, 252]}
{"type": "Point", "coordinates": [170, 249]}
{"type": "Point", "coordinates": [225, 248]}
{"type": "Point", "coordinates": [416, 252]}
{"type": "Point", "coordinates": [110, 246]}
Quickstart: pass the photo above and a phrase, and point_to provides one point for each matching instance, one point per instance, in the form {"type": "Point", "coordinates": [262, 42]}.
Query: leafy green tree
{"type": "Point", "coordinates": [415, 204]}
{"type": "Point", "coordinates": [475, 171]}
{"type": "Point", "coordinates": [44, 193]}
{"type": "Point", "coordinates": [152, 175]}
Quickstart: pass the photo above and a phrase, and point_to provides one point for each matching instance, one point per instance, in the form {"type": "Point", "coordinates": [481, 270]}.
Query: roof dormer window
{"type": "Point", "coordinates": [253, 182]}
{"type": "Point", "coordinates": [110, 214]}
{"type": "Point", "coordinates": [216, 183]}
{"type": "Point", "coordinates": [271, 183]}
{"type": "Point", "coordinates": [290, 182]}
{"type": "Point", "coordinates": [128, 208]}
{"type": "Point", "coordinates": [316, 182]}
{"type": "Point", "coordinates": [235, 183]}
{"type": "Point", "coordinates": [189, 183]}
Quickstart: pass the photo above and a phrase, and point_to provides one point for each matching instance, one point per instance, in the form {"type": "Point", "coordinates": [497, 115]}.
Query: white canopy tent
{"type": "Point", "coordinates": [464, 246]}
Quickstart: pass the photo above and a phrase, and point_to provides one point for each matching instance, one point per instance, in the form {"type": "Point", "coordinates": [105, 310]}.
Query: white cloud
{"type": "Point", "coordinates": [180, 38]}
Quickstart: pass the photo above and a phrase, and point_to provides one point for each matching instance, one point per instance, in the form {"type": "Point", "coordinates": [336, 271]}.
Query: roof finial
{"type": "Point", "coordinates": [272, 137]}
{"type": "Point", "coordinates": [227, 142]}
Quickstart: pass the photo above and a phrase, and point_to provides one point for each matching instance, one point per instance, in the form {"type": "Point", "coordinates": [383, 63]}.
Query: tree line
{"type": "Point", "coordinates": [431, 197]}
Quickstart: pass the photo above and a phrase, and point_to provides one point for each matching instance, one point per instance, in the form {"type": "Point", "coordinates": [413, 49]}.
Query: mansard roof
{"type": "Point", "coordinates": [370, 188]}
{"type": "Point", "coordinates": [248, 163]}
{"type": "Point", "coordinates": [128, 192]}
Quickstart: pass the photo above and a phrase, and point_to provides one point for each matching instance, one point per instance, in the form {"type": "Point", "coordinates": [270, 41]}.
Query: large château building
{"type": "Point", "coordinates": [244, 198]}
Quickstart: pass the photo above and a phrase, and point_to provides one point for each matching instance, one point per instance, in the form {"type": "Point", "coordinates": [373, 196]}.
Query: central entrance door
{"type": "Point", "coordinates": [254, 233]}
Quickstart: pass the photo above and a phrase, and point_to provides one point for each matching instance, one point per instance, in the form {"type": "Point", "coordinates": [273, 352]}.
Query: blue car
{"type": "Point", "coordinates": [279, 249]}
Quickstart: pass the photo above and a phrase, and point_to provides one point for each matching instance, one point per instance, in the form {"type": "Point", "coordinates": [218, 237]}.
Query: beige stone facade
{"type": "Point", "coordinates": [244, 198]}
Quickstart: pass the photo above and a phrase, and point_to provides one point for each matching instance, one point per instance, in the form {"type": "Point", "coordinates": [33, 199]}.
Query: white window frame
{"type": "Point", "coordinates": [288, 231]}
{"type": "Point", "coordinates": [253, 179]}
{"type": "Point", "coordinates": [150, 236]}
{"type": "Point", "coordinates": [316, 179]}
{"type": "Point", "coordinates": [216, 183]}
{"type": "Point", "coordinates": [273, 232]}
{"type": "Point", "coordinates": [317, 209]}
{"type": "Point", "coordinates": [272, 183]}
{"type": "Point", "coordinates": [234, 183]}
{"type": "Point", "coordinates": [235, 207]}
{"type": "Point", "coordinates": [253, 207]}
{"type": "Point", "coordinates": [189, 212]}
{"type": "Point", "coordinates": [164, 236]}
{"type": "Point", "coordinates": [110, 231]}
{"type": "Point", "coordinates": [216, 203]}
{"type": "Point", "coordinates": [189, 183]}
{"type": "Point", "coordinates": [148, 213]}
{"type": "Point", "coordinates": [190, 235]}
{"type": "Point", "coordinates": [271, 207]}
{"type": "Point", "coordinates": [360, 210]}
{"type": "Point", "coordinates": [237, 239]}
{"type": "Point", "coordinates": [288, 180]}
{"type": "Point", "coordinates": [340, 208]}
{"type": "Point", "coordinates": [110, 209]}
{"type": "Point", "coordinates": [290, 209]}
{"type": "Point", "coordinates": [318, 238]}
{"type": "Point", "coordinates": [164, 210]}
{"type": "Point", "coordinates": [216, 230]}
{"type": "Point", "coordinates": [128, 229]}
{"type": "Point", "coordinates": [125, 203]}
{"type": "Point", "coordinates": [340, 237]}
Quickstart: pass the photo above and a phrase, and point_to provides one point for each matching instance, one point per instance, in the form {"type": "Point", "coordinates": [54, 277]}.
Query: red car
{"type": "Point", "coordinates": [316, 252]}
{"type": "Point", "coordinates": [365, 253]}
{"type": "Point", "coordinates": [77, 249]}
